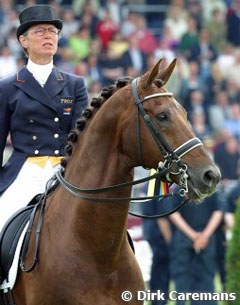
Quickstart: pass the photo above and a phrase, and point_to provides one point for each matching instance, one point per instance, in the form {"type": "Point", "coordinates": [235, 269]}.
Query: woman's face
{"type": "Point", "coordinates": [40, 41]}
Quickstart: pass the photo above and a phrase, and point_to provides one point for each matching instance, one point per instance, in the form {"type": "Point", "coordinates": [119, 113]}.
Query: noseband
{"type": "Point", "coordinates": [171, 164]}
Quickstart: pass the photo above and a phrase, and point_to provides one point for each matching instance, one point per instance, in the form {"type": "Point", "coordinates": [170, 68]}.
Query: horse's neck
{"type": "Point", "coordinates": [100, 224]}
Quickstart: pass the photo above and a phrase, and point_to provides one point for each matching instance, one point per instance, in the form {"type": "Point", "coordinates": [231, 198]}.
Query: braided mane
{"type": "Point", "coordinates": [88, 113]}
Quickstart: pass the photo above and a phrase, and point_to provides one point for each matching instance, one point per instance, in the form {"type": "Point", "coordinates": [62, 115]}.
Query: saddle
{"type": "Point", "coordinates": [11, 233]}
{"type": "Point", "coordinates": [14, 227]}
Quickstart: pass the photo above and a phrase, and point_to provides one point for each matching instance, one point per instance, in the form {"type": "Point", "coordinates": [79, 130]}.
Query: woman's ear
{"type": "Point", "coordinates": [23, 41]}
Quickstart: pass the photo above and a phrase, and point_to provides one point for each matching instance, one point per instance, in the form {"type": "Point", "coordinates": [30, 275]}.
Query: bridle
{"type": "Point", "coordinates": [172, 159]}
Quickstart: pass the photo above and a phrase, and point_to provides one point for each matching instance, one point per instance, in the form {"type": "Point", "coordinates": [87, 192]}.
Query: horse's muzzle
{"type": "Point", "coordinates": [203, 182]}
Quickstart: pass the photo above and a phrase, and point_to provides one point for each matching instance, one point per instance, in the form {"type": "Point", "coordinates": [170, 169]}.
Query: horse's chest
{"type": "Point", "coordinates": [107, 289]}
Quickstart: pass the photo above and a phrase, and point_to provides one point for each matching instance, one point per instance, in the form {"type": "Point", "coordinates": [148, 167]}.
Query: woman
{"type": "Point", "coordinates": [39, 106]}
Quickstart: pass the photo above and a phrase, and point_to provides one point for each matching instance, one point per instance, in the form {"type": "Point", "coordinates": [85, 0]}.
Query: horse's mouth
{"type": "Point", "coordinates": [197, 194]}
{"type": "Point", "coordinates": [202, 182]}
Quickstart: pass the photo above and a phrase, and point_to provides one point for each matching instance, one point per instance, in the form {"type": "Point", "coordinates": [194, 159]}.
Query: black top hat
{"type": "Point", "coordinates": [35, 15]}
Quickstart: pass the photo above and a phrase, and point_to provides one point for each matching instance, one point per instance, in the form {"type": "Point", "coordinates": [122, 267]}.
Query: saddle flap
{"type": "Point", "coordinates": [10, 235]}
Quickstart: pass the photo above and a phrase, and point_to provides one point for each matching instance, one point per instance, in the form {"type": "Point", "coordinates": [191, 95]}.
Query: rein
{"type": "Point", "coordinates": [171, 159]}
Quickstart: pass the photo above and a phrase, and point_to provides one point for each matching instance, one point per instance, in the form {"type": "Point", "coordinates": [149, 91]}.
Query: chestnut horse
{"type": "Point", "coordinates": [84, 253]}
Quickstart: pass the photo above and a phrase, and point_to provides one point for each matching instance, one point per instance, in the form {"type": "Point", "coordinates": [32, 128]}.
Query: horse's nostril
{"type": "Point", "coordinates": [211, 178]}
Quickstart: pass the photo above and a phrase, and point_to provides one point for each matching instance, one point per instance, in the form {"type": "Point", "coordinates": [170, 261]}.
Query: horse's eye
{"type": "Point", "coordinates": [163, 117]}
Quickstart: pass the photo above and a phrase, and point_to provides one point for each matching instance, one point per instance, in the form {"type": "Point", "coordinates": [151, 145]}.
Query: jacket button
{"type": "Point", "coordinates": [56, 135]}
{"type": "Point", "coordinates": [34, 137]}
{"type": "Point", "coordinates": [36, 152]}
{"type": "Point", "coordinates": [56, 119]}
{"type": "Point", "coordinates": [31, 121]}
{"type": "Point", "coordinates": [56, 152]}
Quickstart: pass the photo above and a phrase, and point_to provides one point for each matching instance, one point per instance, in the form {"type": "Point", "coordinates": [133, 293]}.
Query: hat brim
{"type": "Point", "coordinates": [24, 27]}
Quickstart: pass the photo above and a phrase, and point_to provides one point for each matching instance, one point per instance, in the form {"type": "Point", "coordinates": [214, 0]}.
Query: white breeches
{"type": "Point", "coordinates": [30, 181]}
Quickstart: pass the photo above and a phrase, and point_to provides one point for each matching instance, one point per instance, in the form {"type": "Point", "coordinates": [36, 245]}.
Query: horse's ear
{"type": "Point", "coordinates": [151, 75]}
{"type": "Point", "coordinates": [165, 74]}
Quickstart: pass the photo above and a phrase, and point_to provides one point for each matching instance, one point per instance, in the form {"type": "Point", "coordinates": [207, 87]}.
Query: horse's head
{"type": "Point", "coordinates": [162, 137]}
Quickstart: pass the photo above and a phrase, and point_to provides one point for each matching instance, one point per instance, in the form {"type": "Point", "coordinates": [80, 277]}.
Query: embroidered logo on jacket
{"type": "Point", "coordinates": [66, 100]}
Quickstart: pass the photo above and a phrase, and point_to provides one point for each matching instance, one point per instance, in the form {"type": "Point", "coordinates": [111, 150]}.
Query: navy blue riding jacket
{"type": "Point", "coordinates": [38, 119]}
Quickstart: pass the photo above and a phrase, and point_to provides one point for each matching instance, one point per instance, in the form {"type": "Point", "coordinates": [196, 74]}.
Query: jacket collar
{"type": "Point", "coordinates": [27, 83]}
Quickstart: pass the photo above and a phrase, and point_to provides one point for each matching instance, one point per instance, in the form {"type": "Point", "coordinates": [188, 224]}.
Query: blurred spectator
{"type": "Point", "coordinates": [189, 37]}
{"type": "Point", "coordinates": [94, 68]}
{"type": "Point", "coordinates": [151, 61]}
{"type": "Point", "coordinates": [10, 21]}
{"type": "Point", "coordinates": [176, 22]}
{"type": "Point", "coordinates": [106, 28]}
{"type": "Point", "coordinates": [146, 40]}
{"type": "Point", "coordinates": [65, 61]}
{"type": "Point", "coordinates": [193, 247]}
{"type": "Point", "coordinates": [8, 63]}
{"type": "Point", "coordinates": [81, 68]}
{"type": "Point", "coordinates": [118, 43]}
{"type": "Point", "coordinates": [129, 24]}
{"type": "Point", "coordinates": [55, 4]}
{"type": "Point", "coordinates": [163, 51]}
{"type": "Point", "coordinates": [233, 90]}
{"type": "Point", "coordinates": [21, 62]}
{"type": "Point", "coordinates": [210, 6]}
{"type": "Point", "coordinates": [158, 234]}
{"type": "Point", "coordinates": [199, 125]}
{"type": "Point", "coordinates": [89, 18]}
{"type": "Point", "coordinates": [94, 89]}
{"type": "Point", "coordinates": [224, 61]}
{"type": "Point", "coordinates": [13, 44]}
{"type": "Point", "coordinates": [197, 104]}
{"type": "Point", "coordinates": [228, 2]}
{"type": "Point", "coordinates": [233, 23]}
{"type": "Point", "coordinates": [233, 122]}
{"type": "Point", "coordinates": [226, 156]}
{"type": "Point", "coordinates": [220, 111]}
{"type": "Point", "coordinates": [79, 43]}
{"type": "Point", "coordinates": [5, 6]}
{"type": "Point", "coordinates": [111, 67]}
{"type": "Point", "coordinates": [217, 29]}
{"type": "Point", "coordinates": [232, 74]}
{"type": "Point", "coordinates": [70, 24]}
{"type": "Point", "coordinates": [167, 37]}
{"type": "Point", "coordinates": [182, 6]}
{"type": "Point", "coordinates": [96, 47]}
{"type": "Point", "coordinates": [204, 53]}
{"type": "Point", "coordinates": [134, 57]}
{"type": "Point", "coordinates": [232, 199]}
{"type": "Point", "coordinates": [78, 6]}
{"type": "Point", "coordinates": [113, 6]}
{"type": "Point", "coordinates": [190, 82]}
{"type": "Point", "coordinates": [175, 82]}
{"type": "Point", "coordinates": [195, 9]}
